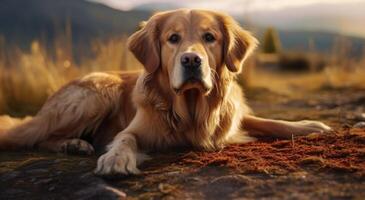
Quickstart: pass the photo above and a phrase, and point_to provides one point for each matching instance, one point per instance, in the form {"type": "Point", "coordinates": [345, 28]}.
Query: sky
{"type": "Point", "coordinates": [341, 16]}
{"type": "Point", "coordinates": [231, 6]}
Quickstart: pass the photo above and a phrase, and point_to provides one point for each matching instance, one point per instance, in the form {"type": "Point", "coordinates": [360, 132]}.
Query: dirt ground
{"type": "Point", "coordinates": [314, 167]}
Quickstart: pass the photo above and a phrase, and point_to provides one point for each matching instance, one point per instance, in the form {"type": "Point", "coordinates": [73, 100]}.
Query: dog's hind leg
{"type": "Point", "coordinates": [260, 127]}
{"type": "Point", "coordinates": [68, 114]}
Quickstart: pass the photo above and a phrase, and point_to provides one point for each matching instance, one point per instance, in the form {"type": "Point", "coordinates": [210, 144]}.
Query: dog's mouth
{"type": "Point", "coordinates": [193, 84]}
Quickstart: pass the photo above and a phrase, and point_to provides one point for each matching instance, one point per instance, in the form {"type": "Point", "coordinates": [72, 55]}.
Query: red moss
{"type": "Point", "coordinates": [342, 151]}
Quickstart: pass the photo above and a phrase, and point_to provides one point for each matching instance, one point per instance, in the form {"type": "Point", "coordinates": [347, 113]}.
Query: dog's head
{"type": "Point", "coordinates": [191, 48]}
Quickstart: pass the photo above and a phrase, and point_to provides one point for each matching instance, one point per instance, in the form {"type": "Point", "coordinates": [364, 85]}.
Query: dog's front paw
{"type": "Point", "coordinates": [117, 163]}
{"type": "Point", "coordinates": [306, 127]}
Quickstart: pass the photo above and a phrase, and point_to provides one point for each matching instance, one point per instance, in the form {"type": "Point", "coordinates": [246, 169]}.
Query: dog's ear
{"type": "Point", "coordinates": [238, 43]}
{"type": "Point", "coordinates": [145, 45]}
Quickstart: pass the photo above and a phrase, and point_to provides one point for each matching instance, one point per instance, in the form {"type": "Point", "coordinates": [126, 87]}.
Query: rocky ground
{"type": "Point", "coordinates": [313, 167]}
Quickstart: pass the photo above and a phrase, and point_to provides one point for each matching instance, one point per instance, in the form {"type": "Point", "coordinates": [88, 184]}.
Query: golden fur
{"type": "Point", "coordinates": [154, 109]}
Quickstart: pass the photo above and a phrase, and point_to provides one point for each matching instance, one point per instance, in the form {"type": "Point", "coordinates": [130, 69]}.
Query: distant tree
{"type": "Point", "coordinates": [272, 42]}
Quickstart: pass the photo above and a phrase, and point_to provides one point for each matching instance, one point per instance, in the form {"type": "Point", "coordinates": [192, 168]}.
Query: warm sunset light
{"type": "Point", "coordinates": [188, 99]}
{"type": "Point", "coordinates": [286, 14]}
{"type": "Point", "coordinates": [227, 4]}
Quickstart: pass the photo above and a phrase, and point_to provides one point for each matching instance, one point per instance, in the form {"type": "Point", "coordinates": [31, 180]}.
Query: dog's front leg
{"type": "Point", "coordinates": [121, 157]}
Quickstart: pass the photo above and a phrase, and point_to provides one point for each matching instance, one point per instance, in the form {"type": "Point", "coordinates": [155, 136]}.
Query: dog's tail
{"type": "Point", "coordinates": [17, 133]}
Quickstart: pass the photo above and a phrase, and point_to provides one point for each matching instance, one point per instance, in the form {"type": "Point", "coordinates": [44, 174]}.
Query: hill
{"type": "Point", "coordinates": [22, 21]}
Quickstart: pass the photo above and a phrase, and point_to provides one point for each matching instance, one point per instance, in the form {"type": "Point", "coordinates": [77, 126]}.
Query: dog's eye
{"type": "Point", "coordinates": [174, 38]}
{"type": "Point", "coordinates": [208, 37]}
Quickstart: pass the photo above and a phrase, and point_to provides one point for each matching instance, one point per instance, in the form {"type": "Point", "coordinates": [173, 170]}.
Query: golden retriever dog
{"type": "Point", "coordinates": [186, 96]}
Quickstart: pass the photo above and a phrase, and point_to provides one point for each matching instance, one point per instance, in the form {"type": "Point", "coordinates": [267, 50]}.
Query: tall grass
{"type": "Point", "coordinates": [27, 78]}
{"type": "Point", "coordinates": [332, 77]}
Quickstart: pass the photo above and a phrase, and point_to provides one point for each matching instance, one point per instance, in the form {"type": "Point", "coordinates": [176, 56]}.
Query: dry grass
{"type": "Point", "coordinates": [27, 78]}
{"type": "Point", "coordinates": [289, 83]}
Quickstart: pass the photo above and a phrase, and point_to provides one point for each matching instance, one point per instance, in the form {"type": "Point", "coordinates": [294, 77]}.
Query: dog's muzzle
{"type": "Point", "coordinates": [192, 73]}
{"type": "Point", "coordinates": [192, 70]}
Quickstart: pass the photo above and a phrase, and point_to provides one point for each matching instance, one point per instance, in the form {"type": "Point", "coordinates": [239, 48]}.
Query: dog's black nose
{"type": "Point", "coordinates": [190, 60]}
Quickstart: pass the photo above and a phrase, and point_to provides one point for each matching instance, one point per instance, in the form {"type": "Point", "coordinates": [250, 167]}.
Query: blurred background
{"type": "Point", "coordinates": [306, 45]}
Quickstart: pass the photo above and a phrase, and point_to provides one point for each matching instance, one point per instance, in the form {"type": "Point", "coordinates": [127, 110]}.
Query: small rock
{"type": "Point", "coordinates": [37, 171]}
{"type": "Point", "coordinates": [299, 175]}
{"type": "Point", "coordinates": [44, 181]}
{"type": "Point", "coordinates": [83, 163]}
{"type": "Point", "coordinates": [312, 160]}
{"type": "Point", "coordinates": [232, 179]}
{"type": "Point", "coordinates": [96, 191]}
{"type": "Point", "coordinates": [313, 136]}
{"type": "Point", "coordinates": [166, 188]}
{"type": "Point", "coordinates": [173, 173]}
{"type": "Point", "coordinates": [195, 180]}
{"type": "Point", "coordinates": [58, 161]}
{"type": "Point", "coordinates": [87, 175]}
{"type": "Point", "coordinates": [360, 116]}
{"type": "Point", "coordinates": [359, 125]}
{"type": "Point", "coordinates": [51, 188]}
